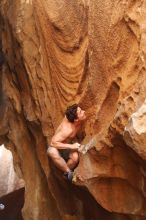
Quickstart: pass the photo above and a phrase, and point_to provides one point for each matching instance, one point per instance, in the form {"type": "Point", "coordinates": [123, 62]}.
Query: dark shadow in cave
{"type": "Point", "coordinates": [13, 203]}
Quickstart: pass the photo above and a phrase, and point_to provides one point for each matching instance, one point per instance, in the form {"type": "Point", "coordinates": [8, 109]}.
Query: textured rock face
{"type": "Point", "coordinates": [91, 52]}
{"type": "Point", "coordinates": [135, 131]}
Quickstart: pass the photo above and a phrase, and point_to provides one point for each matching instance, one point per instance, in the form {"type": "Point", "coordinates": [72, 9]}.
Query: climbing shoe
{"type": "Point", "coordinates": [69, 175]}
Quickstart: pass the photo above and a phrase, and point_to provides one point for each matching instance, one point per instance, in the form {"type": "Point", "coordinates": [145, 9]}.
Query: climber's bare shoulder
{"type": "Point", "coordinates": [63, 132]}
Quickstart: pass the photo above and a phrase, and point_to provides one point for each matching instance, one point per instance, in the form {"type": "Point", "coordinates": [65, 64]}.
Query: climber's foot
{"type": "Point", "coordinates": [69, 175]}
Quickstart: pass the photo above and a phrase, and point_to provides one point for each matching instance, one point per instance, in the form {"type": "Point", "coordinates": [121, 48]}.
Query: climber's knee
{"type": "Point", "coordinates": [74, 156]}
{"type": "Point", "coordinates": [52, 152]}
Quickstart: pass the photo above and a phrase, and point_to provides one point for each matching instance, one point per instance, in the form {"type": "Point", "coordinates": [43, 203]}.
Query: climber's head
{"type": "Point", "coordinates": [75, 113]}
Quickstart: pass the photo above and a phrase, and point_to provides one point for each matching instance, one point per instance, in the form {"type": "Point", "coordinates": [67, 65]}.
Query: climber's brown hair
{"type": "Point", "coordinates": [71, 112]}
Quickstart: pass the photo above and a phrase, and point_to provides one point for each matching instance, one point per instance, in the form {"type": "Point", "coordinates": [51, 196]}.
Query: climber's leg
{"type": "Point", "coordinates": [53, 153]}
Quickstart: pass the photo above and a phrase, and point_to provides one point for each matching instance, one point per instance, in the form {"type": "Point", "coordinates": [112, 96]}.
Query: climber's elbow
{"type": "Point", "coordinates": [53, 143]}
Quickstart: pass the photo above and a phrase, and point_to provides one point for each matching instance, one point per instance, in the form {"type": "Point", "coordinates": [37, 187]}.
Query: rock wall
{"type": "Point", "coordinates": [93, 53]}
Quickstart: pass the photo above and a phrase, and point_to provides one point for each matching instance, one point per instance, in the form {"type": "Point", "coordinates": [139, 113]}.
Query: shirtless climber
{"type": "Point", "coordinates": [59, 146]}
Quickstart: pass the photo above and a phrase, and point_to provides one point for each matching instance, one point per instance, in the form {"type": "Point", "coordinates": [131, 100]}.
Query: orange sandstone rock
{"type": "Point", "coordinates": [93, 53]}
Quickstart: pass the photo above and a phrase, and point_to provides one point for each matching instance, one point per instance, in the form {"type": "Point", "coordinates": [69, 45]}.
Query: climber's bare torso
{"type": "Point", "coordinates": [65, 133]}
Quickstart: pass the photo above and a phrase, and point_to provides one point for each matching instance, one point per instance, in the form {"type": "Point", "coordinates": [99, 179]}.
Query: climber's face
{"type": "Point", "coordinates": [81, 114]}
